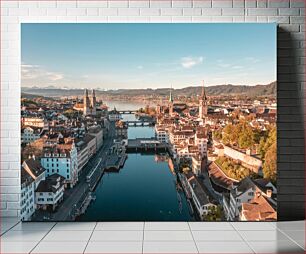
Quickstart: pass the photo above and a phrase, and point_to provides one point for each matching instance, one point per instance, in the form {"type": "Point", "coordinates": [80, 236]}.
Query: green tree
{"type": "Point", "coordinates": [269, 166]}
{"type": "Point", "coordinates": [227, 134]}
{"type": "Point", "coordinates": [70, 113]}
{"type": "Point", "coordinates": [261, 148]}
{"type": "Point", "coordinates": [217, 134]}
{"type": "Point", "coordinates": [266, 141]}
{"type": "Point", "coordinates": [246, 136]}
{"type": "Point", "coordinates": [214, 213]}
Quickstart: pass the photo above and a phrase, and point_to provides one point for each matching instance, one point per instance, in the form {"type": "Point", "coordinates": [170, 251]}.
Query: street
{"type": "Point", "coordinates": [74, 197]}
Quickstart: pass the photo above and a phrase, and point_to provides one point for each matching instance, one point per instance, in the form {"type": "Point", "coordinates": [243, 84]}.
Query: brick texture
{"type": "Point", "coordinates": [289, 14]}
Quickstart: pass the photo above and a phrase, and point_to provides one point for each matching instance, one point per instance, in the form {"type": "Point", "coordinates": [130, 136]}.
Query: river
{"type": "Point", "coordinates": [144, 189]}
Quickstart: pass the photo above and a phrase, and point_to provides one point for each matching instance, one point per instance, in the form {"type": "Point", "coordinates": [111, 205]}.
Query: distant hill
{"type": "Point", "coordinates": [34, 96]}
{"type": "Point", "coordinates": [258, 90]}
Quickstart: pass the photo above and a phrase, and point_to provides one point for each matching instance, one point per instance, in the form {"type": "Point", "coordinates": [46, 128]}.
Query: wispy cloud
{"type": "Point", "coordinates": [189, 62]}
{"type": "Point", "coordinates": [140, 67]}
{"type": "Point", "coordinates": [36, 72]}
{"type": "Point", "coordinates": [221, 63]}
{"type": "Point", "coordinates": [237, 67]}
{"type": "Point", "coordinates": [252, 59]}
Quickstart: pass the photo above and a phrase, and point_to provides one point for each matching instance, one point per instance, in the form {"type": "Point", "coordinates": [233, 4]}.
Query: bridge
{"type": "Point", "coordinates": [145, 144]}
{"type": "Point", "coordinates": [127, 111]}
{"type": "Point", "coordinates": [140, 123]}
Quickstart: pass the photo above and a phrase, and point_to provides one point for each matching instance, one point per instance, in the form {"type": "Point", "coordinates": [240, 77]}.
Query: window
{"type": "Point", "coordinates": [68, 176]}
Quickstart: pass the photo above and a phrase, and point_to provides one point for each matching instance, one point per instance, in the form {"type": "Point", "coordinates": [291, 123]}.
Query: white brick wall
{"type": "Point", "coordinates": [289, 13]}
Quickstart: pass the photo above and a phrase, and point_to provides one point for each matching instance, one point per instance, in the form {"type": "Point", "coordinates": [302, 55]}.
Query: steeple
{"type": "Point", "coordinates": [86, 103]}
{"type": "Point", "coordinates": [170, 96]}
{"type": "Point", "coordinates": [203, 107]}
{"type": "Point", "coordinates": [203, 95]}
{"type": "Point", "coordinates": [93, 103]}
{"type": "Point", "coordinates": [170, 102]}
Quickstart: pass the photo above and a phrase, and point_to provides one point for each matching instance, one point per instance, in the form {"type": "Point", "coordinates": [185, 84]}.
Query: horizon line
{"type": "Point", "coordinates": [116, 89]}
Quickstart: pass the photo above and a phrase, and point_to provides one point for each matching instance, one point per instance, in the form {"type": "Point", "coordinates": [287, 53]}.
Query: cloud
{"type": "Point", "coordinates": [37, 73]}
{"type": "Point", "coordinates": [223, 64]}
{"type": "Point", "coordinates": [140, 67]}
{"type": "Point", "coordinates": [54, 76]}
{"type": "Point", "coordinates": [237, 67]}
{"type": "Point", "coordinates": [189, 62]}
{"type": "Point", "coordinates": [252, 59]}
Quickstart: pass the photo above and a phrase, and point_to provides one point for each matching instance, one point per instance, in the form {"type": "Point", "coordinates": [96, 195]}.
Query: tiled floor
{"type": "Point", "coordinates": [152, 237]}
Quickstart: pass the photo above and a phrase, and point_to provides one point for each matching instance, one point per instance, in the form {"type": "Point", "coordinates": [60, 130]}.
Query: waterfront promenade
{"type": "Point", "coordinates": [73, 198]}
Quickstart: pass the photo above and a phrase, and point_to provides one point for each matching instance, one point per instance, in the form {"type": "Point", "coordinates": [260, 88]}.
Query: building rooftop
{"type": "Point", "coordinates": [33, 167]}
{"type": "Point", "coordinates": [51, 184]}
{"type": "Point", "coordinates": [258, 209]}
{"type": "Point", "coordinates": [218, 177]}
{"type": "Point", "coordinates": [26, 178]}
{"type": "Point", "coordinates": [200, 193]}
{"type": "Point", "coordinates": [244, 185]}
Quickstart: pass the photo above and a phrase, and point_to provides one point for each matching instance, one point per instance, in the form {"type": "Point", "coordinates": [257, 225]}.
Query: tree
{"type": "Point", "coordinates": [269, 166]}
{"type": "Point", "coordinates": [70, 113]}
{"type": "Point", "coordinates": [261, 148]}
{"type": "Point", "coordinates": [268, 139]}
{"type": "Point", "coordinates": [227, 134]}
{"type": "Point", "coordinates": [214, 213]}
{"type": "Point", "coordinates": [217, 134]}
{"type": "Point", "coordinates": [246, 136]}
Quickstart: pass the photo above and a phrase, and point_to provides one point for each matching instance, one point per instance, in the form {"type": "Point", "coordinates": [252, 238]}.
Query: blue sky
{"type": "Point", "coordinates": [113, 56]}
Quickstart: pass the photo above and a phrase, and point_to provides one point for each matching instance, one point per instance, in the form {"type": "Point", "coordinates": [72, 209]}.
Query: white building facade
{"type": "Point", "coordinates": [30, 134]}
{"type": "Point", "coordinates": [27, 205]}
{"type": "Point", "coordinates": [63, 162]}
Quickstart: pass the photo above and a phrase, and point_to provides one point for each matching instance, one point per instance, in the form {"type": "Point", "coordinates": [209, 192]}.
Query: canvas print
{"type": "Point", "coordinates": [148, 122]}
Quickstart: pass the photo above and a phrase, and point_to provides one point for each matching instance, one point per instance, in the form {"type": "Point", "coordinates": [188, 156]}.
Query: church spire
{"type": "Point", "coordinates": [203, 108]}
{"type": "Point", "coordinates": [170, 97]}
{"type": "Point", "coordinates": [203, 95]}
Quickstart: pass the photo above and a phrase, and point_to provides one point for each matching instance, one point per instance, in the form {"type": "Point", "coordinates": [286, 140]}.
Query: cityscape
{"type": "Point", "coordinates": [169, 151]}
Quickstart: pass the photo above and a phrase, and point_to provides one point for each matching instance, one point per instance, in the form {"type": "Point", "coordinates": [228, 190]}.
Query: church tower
{"type": "Point", "coordinates": [93, 103]}
{"type": "Point", "coordinates": [86, 103]}
{"type": "Point", "coordinates": [170, 102]}
{"type": "Point", "coordinates": [203, 107]}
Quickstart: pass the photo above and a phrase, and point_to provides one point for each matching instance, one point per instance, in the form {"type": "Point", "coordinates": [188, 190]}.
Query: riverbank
{"type": "Point", "coordinates": [145, 189]}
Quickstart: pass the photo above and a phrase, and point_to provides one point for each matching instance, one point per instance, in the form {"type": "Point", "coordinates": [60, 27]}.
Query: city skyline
{"type": "Point", "coordinates": [116, 56]}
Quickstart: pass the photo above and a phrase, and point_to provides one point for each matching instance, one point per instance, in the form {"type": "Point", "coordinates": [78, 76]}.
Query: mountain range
{"type": "Point", "coordinates": [251, 91]}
